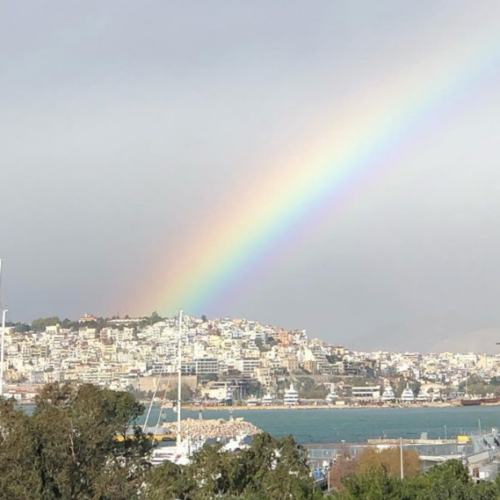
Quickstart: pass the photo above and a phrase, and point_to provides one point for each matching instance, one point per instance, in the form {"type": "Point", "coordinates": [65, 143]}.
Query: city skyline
{"type": "Point", "coordinates": [328, 167]}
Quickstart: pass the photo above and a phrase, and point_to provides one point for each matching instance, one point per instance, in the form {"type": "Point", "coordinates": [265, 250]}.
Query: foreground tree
{"type": "Point", "coordinates": [68, 448]}
{"type": "Point", "coordinates": [19, 473]}
{"type": "Point", "coordinates": [449, 481]}
{"type": "Point", "coordinates": [270, 469]}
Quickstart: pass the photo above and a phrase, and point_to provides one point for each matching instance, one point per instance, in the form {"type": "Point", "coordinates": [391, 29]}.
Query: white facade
{"type": "Point", "coordinates": [370, 393]}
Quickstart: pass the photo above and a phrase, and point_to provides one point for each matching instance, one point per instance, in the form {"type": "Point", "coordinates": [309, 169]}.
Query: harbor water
{"type": "Point", "coordinates": [355, 425]}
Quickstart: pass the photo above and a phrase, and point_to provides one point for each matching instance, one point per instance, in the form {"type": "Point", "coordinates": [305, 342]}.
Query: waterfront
{"type": "Point", "coordinates": [356, 424]}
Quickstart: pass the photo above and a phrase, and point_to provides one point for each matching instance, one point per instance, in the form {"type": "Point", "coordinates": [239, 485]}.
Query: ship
{"type": "Point", "coordinates": [490, 400]}
{"type": "Point", "coordinates": [388, 395]}
{"type": "Point", "coordinates": [407, 395]}
{"type": "Point", "coordinates": [471, 402]}
{"type": "Point", "coordinates": [291, 397]}
{"type": "Point", "coordinates": [268, 400]}
{"type": "Point", "coordinates": [332, 396]}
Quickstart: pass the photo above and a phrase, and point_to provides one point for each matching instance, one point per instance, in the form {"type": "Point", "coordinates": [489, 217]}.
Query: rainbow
{"type": "Point", "coordinates": [302, 190]}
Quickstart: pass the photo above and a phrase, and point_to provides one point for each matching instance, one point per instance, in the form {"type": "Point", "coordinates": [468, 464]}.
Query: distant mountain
{"type": "Point", "coordinates": [427, 338]}
{"type": "Point", "coordinates": [480, 341]}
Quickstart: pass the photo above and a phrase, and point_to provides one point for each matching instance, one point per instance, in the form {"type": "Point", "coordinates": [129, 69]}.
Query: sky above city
{"type": "Point", "coordinates": [325, 165]}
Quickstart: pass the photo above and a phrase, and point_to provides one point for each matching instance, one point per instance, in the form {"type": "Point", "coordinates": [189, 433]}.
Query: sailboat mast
{"type": "Point", "coordinates": [179, 380]}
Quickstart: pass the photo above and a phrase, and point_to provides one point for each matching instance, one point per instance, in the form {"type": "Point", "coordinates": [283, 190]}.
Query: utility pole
{"type": "Point", "coordinates": [401, 457]}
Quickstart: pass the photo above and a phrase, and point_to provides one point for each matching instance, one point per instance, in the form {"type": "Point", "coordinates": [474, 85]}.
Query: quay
{"type": "Point", "coordinates": [192, 407]}
{"type": "Point", "coordinates": [479, 451]}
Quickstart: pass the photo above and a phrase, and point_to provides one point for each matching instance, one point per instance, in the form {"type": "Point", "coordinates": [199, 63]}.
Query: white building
{"type": "Point", "coordinates": [370, 393]}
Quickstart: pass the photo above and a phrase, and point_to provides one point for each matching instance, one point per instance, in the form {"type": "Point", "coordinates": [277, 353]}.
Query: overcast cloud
{"type": "Point", "coordinates": [123, 122]}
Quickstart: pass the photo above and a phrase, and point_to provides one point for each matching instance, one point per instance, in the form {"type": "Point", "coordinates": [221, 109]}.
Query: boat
{"type": "Point", "coordinates": [253, 402]}
{"type": "Point", "coordinates": [332, 396]}
{"type": "Point", "coordinates": [291, 397]}
{"type": "Point", "coordinates": [184, 447]}
{"type": "Point", "coordinates": [422, 397]}
{"type": "Point", "coordinates": [388, 395]}
{"type": "Point", "coordinates": [470, 402]}
{"type": "Point", "coordinates": [268, 400]}
{"type": "Point", "coordinates": [490, 400]}
{"type": "Point", "coordinates": [227, 397]}
{"type": "Point", "coordinates": [407, 395]}
{"type": "Point", "coordinates": [192, 434]}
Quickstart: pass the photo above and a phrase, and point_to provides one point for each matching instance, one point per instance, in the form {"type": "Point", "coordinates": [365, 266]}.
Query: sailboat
{"type": "Point", "coordinates": [180, 453]}
{"type": "Point", "coordinates": [191, 434]}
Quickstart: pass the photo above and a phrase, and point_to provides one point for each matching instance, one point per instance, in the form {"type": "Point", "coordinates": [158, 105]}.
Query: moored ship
{"type": "Point", "coordinates": [471, 402]}
{"type": "Point", "coordinates": [291, 397]}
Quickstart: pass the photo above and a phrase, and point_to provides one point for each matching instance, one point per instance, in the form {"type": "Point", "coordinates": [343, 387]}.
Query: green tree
{"type": "Point", "coordinates": [375, 485]}
{"type": "Point", "coordinates": [291, 475]}
{"type": "Point", "coordinates": [448, 481]}
{"type": "Point", "coordinates": [169, 482]}
{"type": "Point", "coordinates": [41, 323]}
{"type": "Point", "coordinates": [19, 474]}
{"type": "Point", "coordinates": [78, 454]}
{"type": "Point", "coordinates": [213, 471]}
{"type": "Point", "coordinates": [21, 328]}
{"type": "Point", "coordinates": [154, 318]}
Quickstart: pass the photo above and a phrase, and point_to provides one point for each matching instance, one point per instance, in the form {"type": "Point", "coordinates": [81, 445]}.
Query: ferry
{"type": "Point", "coordinates": [291, 397]}
{"type": "Point", "coordinates": [388, 395]}
{"type": "Point", "coordinates": [332, 396]}
{"type": "Point", "coordinates": [407, 396]}
{"type": "Point", "coordinates": [268, 400]}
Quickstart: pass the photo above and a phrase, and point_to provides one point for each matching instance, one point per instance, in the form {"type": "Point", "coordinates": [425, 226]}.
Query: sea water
{"type": "Point", "coordinates": [354, 425]}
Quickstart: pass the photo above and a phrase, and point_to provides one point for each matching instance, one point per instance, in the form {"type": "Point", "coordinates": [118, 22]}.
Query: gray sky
{"type": "Point", "coordinates": [123, 124]}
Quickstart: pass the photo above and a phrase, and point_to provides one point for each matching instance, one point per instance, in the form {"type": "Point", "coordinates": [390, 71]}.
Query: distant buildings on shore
{"type": "Point", "coordinates": [237, 356]}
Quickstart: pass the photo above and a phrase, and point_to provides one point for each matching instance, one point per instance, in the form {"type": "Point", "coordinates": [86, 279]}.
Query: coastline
{"type": "Point", "coordinates": [326, 407]}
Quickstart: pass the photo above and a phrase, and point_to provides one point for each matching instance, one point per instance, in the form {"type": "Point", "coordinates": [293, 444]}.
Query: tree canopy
{"type": "Point", "coordinates": [77, 446]}
{"type": "Point", "coordinates": [67, 450]}
{"type": "Point", "coordinates": [270, 469]}
{"type": "Point", "coordinates": [448, 481]}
